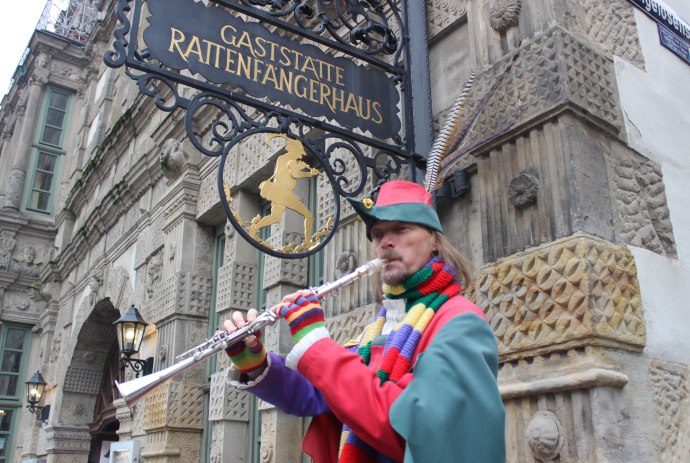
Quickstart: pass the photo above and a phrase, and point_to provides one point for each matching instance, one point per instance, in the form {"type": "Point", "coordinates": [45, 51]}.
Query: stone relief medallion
{"type": "Point", "coordinates": [504, 14]}
{"type": "Point", "coordinates": [523, 188]}
{"type": "Point", "coordinates": [280, 195]}
{"type": "Point", "coordinates": [345, 263]}
{"type": "Point", "coordinates": [78, 409]}
{"type": "Point", "coordinates": [544, 435]}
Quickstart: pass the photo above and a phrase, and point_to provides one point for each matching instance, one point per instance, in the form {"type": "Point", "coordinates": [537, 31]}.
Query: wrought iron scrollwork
{"type": "Point", "coordinates": [236, 120]}
{"type": "Point", "coordinates": [358, 30]}
{"type": "Point", "coordinates": [148, 86]}
{"type": "Point", "coordinates": [363, 23]}
{"type": "Point", "coordinates": [118, 57]}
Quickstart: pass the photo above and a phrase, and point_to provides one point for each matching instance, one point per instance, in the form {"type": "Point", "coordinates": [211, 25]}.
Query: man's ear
{"type": "Point", "coordinates": [434, 245]}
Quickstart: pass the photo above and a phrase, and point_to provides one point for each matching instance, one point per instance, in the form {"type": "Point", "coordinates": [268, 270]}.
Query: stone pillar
{"type": "Point", "coordinates": [124, 416]}
{"type": "Point", "coordinates": [15, 187]}
{"type": "Point", "coordinates": [5, 145]}
{"type": "Point", "coordinates": [173, 414]}
{"type": "Point", "coordinates": [67, 444]}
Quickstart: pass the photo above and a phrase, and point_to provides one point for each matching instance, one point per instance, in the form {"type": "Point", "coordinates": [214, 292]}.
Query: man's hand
{"type": "Point", "coordinates": [303, 313]}
{"type": "Point", "coordinates": [249, 355]}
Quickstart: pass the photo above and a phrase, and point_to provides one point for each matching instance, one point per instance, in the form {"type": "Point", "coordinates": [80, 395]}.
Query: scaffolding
{"type": "Point", "coordinates": [72, 19]}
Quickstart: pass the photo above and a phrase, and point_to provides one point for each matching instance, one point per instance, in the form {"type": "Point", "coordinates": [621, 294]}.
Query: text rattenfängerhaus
{"type": "Point", "coordinates": [272, 64]}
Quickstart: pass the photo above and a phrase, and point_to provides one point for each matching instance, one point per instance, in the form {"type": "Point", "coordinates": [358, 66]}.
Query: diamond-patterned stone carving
{"type": "Point", "coordinates": [227, 402]}
{"type": "Point", "coordinates": [576, 291]}
{"type": "Point", "coordinates": [174, 404]}
{"type": "Point", "coordinates": [553, 69]}
{"type": "Point", "coordinates": [236, 286]}
{"type": "Point", "coordinates": [182, 293]}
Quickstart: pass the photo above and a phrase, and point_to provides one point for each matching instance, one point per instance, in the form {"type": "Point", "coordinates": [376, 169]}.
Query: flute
{"type": "Point", "coordinates": [135, 389]}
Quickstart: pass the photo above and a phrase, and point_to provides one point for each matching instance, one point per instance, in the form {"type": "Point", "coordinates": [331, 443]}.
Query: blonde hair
{"type": "Point", "coordinates": [454, 258]}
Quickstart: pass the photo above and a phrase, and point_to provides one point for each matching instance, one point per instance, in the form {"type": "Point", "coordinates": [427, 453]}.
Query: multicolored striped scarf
{"type": "Point", "coordinates": [425, 292]}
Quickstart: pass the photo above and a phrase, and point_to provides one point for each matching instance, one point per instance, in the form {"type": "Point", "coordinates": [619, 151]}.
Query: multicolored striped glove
{"type": "Point", "coordinates": [304, 316]}
{"type": "Point", "coordinates": [247, 359]}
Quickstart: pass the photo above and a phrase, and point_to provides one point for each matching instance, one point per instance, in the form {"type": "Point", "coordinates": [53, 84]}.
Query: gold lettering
{"type": "Point", "coordinates": [377, 109]}
{"type": "Point", "coordinates": [258, 70]}
{"type": "Point", "coordinates": [300, 92]}
{"type": "Point", "coordinates": [245, 41]}
{"type": "Point", "coordinates": [273, 50]}
{"type": "Point", "coordinates": [297, 56]}
{"type": "Point", "coordinates": [309, 66]}
{"type": "Point", "coordinates": [286, 80]}
{"type": "Point", "coordinates": [232, 39]}
{"type": "Point", "coordinates": [270, 76]}
{"type": "Point", "coordinates": [230, 61]}
{"type": "Point", "coordinates": [259, 41]}
{"type": "Point", "coordinates": [326, 91]}
{"type": "Point", "coordinates": [339, 98]}
{"type": "Point", "coordinates": [351, 104]}
{"type": "Point", "coordinates": [313, 87]}
{"type": "Point", "coordinates": [339, 75]}
{"type": "Point", "coordinates": [195, 49]}
{"type": "Point", "coordinates": [285, 59]}
{"type": "Point", "coordinates": [362, 105]}
{"type": "Point", "coordinates": [244, 64]}
{"type": "Point", "coordinates": [176, 37]}
{"type": "Point", "coordinates": [212, 46]}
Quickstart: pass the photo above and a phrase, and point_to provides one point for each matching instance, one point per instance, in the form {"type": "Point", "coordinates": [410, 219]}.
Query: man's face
{"type": "Point", "coordinates": [406, 247]}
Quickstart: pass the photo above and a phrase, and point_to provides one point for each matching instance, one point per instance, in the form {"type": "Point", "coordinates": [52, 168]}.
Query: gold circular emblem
{"type": "Point", "coordinates": [368, 203]}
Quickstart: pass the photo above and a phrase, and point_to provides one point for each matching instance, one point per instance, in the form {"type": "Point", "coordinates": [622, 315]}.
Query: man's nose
{"type": "Point", "coordinates": [387, 240]}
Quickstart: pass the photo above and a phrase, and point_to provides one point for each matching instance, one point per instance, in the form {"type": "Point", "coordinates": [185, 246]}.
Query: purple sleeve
{"type": "Point", "coordinates": [288, 390]}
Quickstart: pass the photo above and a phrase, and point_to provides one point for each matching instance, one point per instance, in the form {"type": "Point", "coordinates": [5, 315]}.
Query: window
{"type": "Point", "coordinates": [14, 339]}
{"type": "Point", "coordinates": [14, 342]}
{"type": "Point", "coordinates": [47, 150]}
{"type": "Point", "coordinates": [254, 423]}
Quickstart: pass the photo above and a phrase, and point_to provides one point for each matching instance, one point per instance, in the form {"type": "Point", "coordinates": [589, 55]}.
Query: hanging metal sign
{"type": "Point", "coordinates": [324, 76]}
{"type": "Point", "coordinates": [228, 50]}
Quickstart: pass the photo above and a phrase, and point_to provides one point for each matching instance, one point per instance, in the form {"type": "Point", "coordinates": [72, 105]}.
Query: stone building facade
{"type": "Point", "coordinates": [577, 220]}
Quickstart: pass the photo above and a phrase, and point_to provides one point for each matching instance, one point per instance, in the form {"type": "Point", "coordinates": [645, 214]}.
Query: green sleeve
{"type": "Point", "coordinates": [452, 409]}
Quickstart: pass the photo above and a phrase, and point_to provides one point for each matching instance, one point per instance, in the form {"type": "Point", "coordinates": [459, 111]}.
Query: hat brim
{"type": "Point", "coordinates": [420, 214]}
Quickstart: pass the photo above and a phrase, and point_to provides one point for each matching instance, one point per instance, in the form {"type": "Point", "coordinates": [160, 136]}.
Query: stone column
{"type": "Point", "coordinates": [5, 145]}
{"type": "Point", "coordinates": [67, 444]}
{"type": "Point", "coordinates": [124, 416]}
{"type": "Point", "coordinates": [15, 186]}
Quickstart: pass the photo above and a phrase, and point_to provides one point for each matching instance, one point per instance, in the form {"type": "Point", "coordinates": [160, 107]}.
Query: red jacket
{"type": "Point", "coordinates": [355, 395]}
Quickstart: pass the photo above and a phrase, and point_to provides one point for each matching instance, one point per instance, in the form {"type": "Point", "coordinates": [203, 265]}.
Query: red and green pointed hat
{"type": "Point", "coordinates": [398, 201]}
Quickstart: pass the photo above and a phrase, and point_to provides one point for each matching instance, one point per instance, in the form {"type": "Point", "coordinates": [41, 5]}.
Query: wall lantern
{"type": "Point", "coordinates": [34, 390]}
{"type": "Point", "coordinates": [130, 332]}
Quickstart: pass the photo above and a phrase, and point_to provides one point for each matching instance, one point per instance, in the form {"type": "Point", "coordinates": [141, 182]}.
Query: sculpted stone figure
{"type": "Point", "coordinates": [173, 157]}
{"type": "Point", "coordinates": [26, 261]}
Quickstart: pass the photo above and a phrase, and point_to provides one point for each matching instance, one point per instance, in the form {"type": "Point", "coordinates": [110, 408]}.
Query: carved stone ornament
{"type": "Point", "coordinates": [544, 435]}
{"type": "Point", "coordinates": [345, 263]}
{"type": "Point", "coordinates": [523, 188]}
{"type": "Point", "coordinates": [173, 156]}
{"type": "Point", "coordinates": [505, 14]}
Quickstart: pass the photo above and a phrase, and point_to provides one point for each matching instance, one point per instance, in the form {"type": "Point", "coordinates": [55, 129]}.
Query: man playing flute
{"type": "Point", "coordinates": [424, 391]}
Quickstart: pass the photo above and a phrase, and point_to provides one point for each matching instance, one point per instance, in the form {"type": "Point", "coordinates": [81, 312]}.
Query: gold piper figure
{"type": "Point", "coordinates": [279, 188]}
